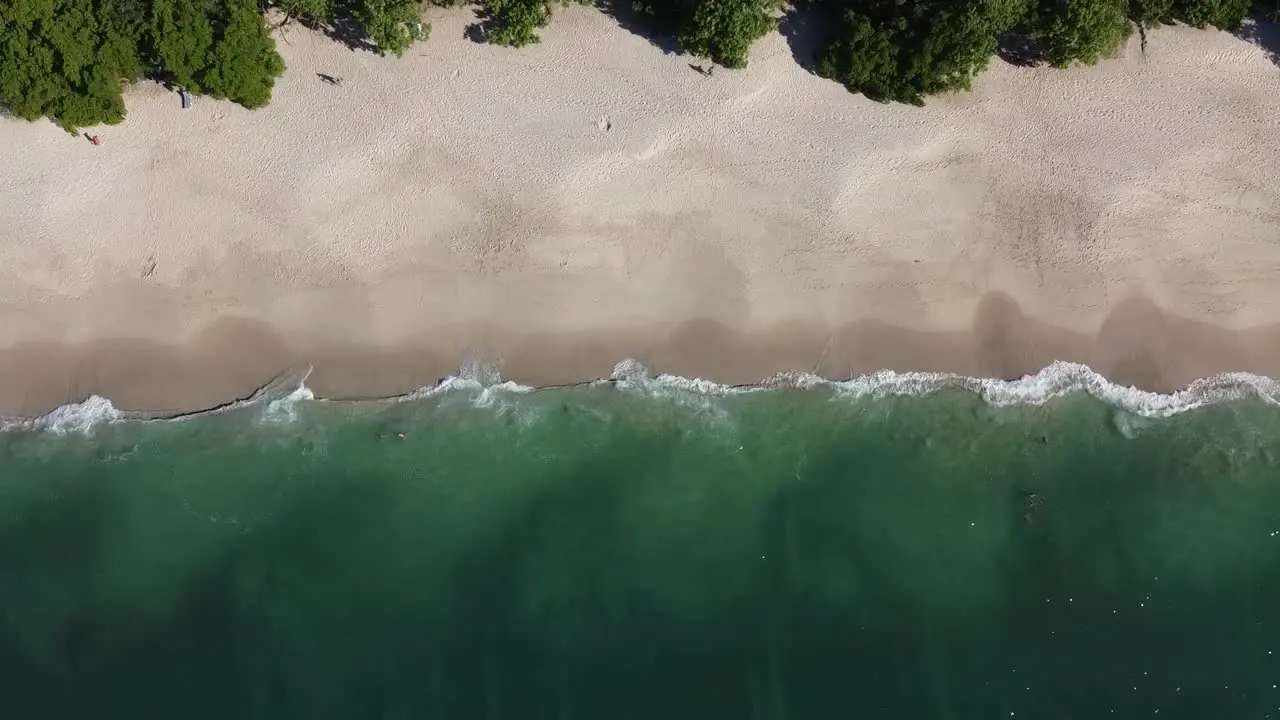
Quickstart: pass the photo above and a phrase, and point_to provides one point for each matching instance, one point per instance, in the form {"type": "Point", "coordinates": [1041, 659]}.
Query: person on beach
{"type": "Point", "coordinates": [95, 140]}
{"type": "Point", "coordinates": [331, 79]}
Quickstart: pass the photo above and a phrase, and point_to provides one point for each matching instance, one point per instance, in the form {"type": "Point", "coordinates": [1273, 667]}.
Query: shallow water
{"type": "Point", "coordinates": [653, 552]}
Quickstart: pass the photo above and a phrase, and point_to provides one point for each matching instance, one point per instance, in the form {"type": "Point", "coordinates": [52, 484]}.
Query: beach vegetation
{"type": "Point", "coordinates": [513, 23]}
{"type": "Point", "coordinates": [66, 60]}
{"type": "Point", "coordinates": [1150, 13]}
{"type": "Point", "coordinates": [1223, 14]}
{"type": "Point", "coordinates": [724, 30]}
{"type": "Point", "coordinates": [903, 50]}
{"type": "Point", "coordinates": [392, 25]}
{"type": "Point", "coordinates": [244, 63]}
{"type": "Point", "coordinates": [386, 26]}
{"type": "Point", "coordinates": [1079, 31]}
{"type": "Point", "coordinates": [223, 49]}
{"type": "Point", "coordinates": [182, 40]}
{"type": "Point", "coordinates": [314, 11]}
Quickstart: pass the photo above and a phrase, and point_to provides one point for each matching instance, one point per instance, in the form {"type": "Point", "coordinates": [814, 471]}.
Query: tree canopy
{"type": "Point", "coordinates": [390, 26]}
{"type": "Point", "coordinates": [65, 60]}
{"type": "Point", "coordinates": [243, 65]}
{"type": "Point", "coordinates": [906, 49]}
{"type": "Point", "coordinates": [720, 30]}
{"type": "Point", "coordinates": [1079, 30]}
{"type": "Point", "coordinates": [1224, 14]}
{"type": "Point", "coordinates": [724, 30]}
{"type": "Point", "coordinates": [513, 22]}
{"type": "Point", "coordinates": [68, 60]}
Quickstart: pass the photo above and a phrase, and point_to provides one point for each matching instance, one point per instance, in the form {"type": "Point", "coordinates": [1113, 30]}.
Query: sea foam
{"type": "Point", "coordinates": [1054, 381]}
{"type": "Point", "coordinates": [279, 401]}
{"type": "Point", "coordinates": [70, 418]}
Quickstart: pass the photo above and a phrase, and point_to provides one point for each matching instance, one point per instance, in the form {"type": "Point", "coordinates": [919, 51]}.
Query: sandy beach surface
{"type": "Point", "coordinates": [549, 211]}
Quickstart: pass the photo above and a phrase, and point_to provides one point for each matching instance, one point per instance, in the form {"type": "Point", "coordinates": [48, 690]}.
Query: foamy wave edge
{"type": "Point", "coordinates": [1055, 381]}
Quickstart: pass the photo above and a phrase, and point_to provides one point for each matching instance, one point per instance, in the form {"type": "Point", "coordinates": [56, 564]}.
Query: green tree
{"type": "Point", "coordinates": [393, 25]}
{"type": "Point", "coordinates": [724, 30]}
{"type": "Point", "coordinates": [513, 22]}
{"type": "Point", "coordinates": [906, 49]}
{"type": "Point", "coordinates": [1150, 13]}
{"type": "Point", "coordinates": [244, 62]}
{"type": "Point", "coordinates": [1080, 30]}
{"type": "Point", "coordinates": [66, 60]}
{"type": "Point", "coordinates": [319, 11]}
{"type": "Point", "coordinates": [1224, 14]}
{"type": "Point", "coordinates": [182, 37]}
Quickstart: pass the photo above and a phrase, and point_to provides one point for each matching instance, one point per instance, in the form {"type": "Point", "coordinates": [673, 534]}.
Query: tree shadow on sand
{"type": "Point", "coordinates": [1263, 32]}
{"type": "Point", "coordinates": [805, 25]}
{"type": "Point", "coordinates": [345, 29]}
{"type": "Point", "coordinates": [640, 23]}
{"type": "Point", "coordinates": [1019, 51]}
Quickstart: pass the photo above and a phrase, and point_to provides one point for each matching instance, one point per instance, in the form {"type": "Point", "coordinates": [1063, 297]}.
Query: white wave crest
{"type": "Point", "coordinates": [631, 374]}
{"type": "Point", "coordinates": [78, 417]}
{"type": "Point", "coordinates": [1054, 381]}
{"type": "Point", "coordinates": [488, 390]}
{"type": "Point", "coordinates": [1063, 378]}
{"type": "Point", "coordinates": [283, 410]}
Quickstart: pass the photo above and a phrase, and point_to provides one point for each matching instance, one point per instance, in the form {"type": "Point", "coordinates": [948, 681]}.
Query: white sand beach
{"type": "Point", "coordinates": [554, 209]}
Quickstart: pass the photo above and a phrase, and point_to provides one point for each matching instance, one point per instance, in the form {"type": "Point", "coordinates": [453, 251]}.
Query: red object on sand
{"type": "Point", "coordinates": [94, 139]}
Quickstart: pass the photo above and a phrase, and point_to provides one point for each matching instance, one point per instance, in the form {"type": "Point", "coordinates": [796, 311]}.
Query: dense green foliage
{"type": "Point", "coordinates": [1079, 30]}
{"type": "Point", "coordinates": [65, 59]}
{"type": "Point", "coordinates": [513, 22]}
{"type": "Point", "coordinates": [183, 37]}
{"type": "Point", "coordinates": [1224, 14]}
{"type": "Point", "coordinates": [721, 30]}
{"type": "Point", "coordinates": [1152, 12]}
{"type": "Point", "coordinates": [724, 30]}
{"type": "Point", "coordinates": [906, 49]}
{"type": "Point", "coordinates": [243, 65]}
{"type": "Point", "coordinates": [390, 26]}
{"type": "Point", "coordinates": [68, 59]}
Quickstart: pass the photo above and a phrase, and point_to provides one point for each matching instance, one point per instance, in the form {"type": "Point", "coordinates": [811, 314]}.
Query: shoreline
{"type": "Point", "coordinates": [236, 359]}
{"type": "Point", "coordinates": [554, 210]}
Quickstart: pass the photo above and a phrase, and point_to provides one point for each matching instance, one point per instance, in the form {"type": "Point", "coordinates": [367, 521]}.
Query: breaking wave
{"type": "Point", "coordinates": [280, 399]}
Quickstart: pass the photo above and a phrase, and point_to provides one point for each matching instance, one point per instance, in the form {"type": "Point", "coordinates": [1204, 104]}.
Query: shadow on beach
{"type": "Point", "coordinates": [346, 30]}
{"type": "Point", "coordinates": [804, 25]}
{"type": "Point", "coordinates": [1265, 34]}
{"type": "Point", "coordinates": [640, 24]}
{"type": "Point", "coordinates": [1019, 51]}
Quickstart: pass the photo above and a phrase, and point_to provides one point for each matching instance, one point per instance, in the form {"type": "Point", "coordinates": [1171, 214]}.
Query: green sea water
{"type": "Point", "coordinates": [595, 552]}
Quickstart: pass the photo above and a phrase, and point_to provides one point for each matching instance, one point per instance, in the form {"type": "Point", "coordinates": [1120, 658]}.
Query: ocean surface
{"type": "Point", "coordinates": [899, 546]}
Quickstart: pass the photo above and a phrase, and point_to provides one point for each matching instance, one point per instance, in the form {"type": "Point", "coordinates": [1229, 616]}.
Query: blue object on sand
{"type": "Point", "coordinates": [186, 99]}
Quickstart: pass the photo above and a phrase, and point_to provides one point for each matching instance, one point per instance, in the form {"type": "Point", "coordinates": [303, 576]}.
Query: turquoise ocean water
{"type": "Point", "coordinates": [1056, 549]}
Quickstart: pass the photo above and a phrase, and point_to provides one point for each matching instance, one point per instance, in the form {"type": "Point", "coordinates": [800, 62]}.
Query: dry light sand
{"type": "Point", "coordinates": [552, 210]}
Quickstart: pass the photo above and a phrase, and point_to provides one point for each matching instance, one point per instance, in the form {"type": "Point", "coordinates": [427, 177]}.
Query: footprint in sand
{"type": "Point", "coordinates": [604, 124]}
